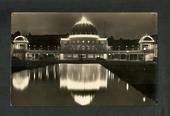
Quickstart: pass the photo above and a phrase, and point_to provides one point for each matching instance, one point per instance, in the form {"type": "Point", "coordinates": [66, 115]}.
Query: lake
{"type": "Point", "coordinates": [73, 85]}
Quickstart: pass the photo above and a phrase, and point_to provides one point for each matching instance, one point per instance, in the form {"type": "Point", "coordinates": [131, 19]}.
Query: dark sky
{"type": "Point", "coordinates": [124, 25]}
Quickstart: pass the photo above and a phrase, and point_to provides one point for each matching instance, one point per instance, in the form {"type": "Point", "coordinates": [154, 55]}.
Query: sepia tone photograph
{"type": "Point", "coordinates": [84, 59]}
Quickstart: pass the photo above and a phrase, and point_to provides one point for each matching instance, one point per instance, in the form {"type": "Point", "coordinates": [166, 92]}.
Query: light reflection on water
{"type": "Point", "coordinates": [83, 77]}
{"type": "Point", "coordinates": [71, 84]}
{"type": "Point", "coordinates": [21, 80]}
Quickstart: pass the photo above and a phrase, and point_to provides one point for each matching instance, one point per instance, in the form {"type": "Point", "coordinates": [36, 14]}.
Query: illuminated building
{"type": "Point", "coordinates": [84, 42]}
{"type": "Point", "coordinates": [149, 47]}
{"type": "Point", "coordinates": [20, 44]}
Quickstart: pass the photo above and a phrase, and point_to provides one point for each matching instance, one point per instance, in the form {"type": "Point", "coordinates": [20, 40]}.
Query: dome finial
{"type": "Point", "coordinates": [84, 21]}
{"type": "Point", "coordinates": [83, 18]}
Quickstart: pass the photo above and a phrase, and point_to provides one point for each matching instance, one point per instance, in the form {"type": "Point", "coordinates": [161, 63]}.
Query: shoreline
{"type": "Point", "coordinates": [18, 65]}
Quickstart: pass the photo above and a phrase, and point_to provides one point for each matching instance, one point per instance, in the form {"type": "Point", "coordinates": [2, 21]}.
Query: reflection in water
{"type": "Point", "coordinates": [83, 99]}
{"type": "Point", "coordinates": [20, 80]}
{"type": "Point", "coordinates": [46, 72]}
{"type": "Point", "coordinates": [118, 80]}
{"type": "Point", "coordinates": [127, 86]}
{"type": "Point", "coordinates": [34, 74]}
{"type": "Point", "coordinates": [144, 99]}
{"type": "Point", "coordinates": [67, 84]}
{"type": "Point", "coordinates": [83, 77]}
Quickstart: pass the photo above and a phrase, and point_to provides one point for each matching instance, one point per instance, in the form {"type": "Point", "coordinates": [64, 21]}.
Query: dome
{"type": "Point", "coordinates": [20, 39]}
{"type": "Point", "coordinates": [146, 39]}
{"type": "Point", "coordinates": [84, 26]}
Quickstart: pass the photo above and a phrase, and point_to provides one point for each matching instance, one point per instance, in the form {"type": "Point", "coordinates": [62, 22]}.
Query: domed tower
{"type": "Point", "coordinates": [149, 48]}
{"type": "Point", "coordinates": [146, 42]}
{"type": "Point", "coordinates": [20, 44]}
{"type": "Point", "coordinates": [84, 27]}
{"type": "Point", "coordinates": [84, 41]}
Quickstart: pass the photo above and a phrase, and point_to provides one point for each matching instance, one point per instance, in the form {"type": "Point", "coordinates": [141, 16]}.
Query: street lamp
{"type": "Point", "coordinates": [126, 47]}
{"type": "Point", "coordinates": [144, 49]}
{"type": "Point", "coordinates": [29, 46]}
{"type": "Point", "coordinates": [109, 56]}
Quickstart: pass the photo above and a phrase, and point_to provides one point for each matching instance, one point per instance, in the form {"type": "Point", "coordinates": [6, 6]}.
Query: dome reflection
{"type": "Point", "coordinates": [20, 80]}
{"type": "Point", "coordinates": [83, 78]}
{"type": "Point", "coordinates": [83, 99]}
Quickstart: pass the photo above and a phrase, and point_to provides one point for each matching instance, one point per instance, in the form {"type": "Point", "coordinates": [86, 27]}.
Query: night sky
{"type": "Point", "coordinates": [120, 25]}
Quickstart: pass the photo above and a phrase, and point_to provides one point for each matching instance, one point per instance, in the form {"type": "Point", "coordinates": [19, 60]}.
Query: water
{"type": "Point", "coordinates": [73, 85]}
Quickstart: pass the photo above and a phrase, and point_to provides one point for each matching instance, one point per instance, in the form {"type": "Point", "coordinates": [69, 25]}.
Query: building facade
{"type": "Point", "coordinates": [148, 45]}
{"type": "Point", "coordinates": [84, 42]}
{"type": "Point", "coordinates": [19, 47]}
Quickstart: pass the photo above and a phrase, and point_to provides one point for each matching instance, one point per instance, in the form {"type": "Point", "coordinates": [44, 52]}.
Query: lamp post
{"type": "Point", "coordinates": [126, 47]}
{"type": "Point", "coordinates": [109, 56]}
{"type": "Point", "coordinates": [144, 49]}
{"type": "Point", "coordinates": [126, 52]}
{"type": "Point", "coordinates": [29, 47]}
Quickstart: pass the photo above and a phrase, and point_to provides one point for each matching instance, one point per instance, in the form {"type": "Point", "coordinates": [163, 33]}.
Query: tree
{"type": "Point", "coordinates": [17, 33]}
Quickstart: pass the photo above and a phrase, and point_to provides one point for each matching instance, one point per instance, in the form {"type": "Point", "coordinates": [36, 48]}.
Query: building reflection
{"type": "Point", "coordinates": [20, 81]}
{"type": "Point", "coordinates": [46, 73]}
{"type": "Point", "coordinates": [83, 80]}
{"type": "Point", "coordinates": [127, 86]}
{"type": "Point", "coordinates": [84, 83]}
{"type": "Point", "coordinates": [144, 99]}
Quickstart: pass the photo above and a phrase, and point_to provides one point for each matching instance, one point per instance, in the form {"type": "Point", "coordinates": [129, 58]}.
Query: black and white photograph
{"type": "Point", "coordinates": [84, 59]}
